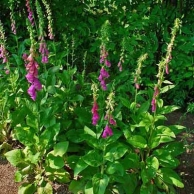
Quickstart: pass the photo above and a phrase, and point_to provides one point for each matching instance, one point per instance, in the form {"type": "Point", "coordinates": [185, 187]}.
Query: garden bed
{"type": "Point", "coordinates": [186, 168]}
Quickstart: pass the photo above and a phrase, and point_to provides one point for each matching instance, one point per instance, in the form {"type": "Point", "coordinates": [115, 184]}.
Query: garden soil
{"type": "Point", "coordinates": [186, 168]}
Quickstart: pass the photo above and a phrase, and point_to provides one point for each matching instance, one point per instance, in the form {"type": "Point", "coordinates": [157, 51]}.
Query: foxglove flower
{"type": "Point", "coordinates": [32, 92]}
{"type": "Point", "coordinates": [167, 69]}
{"type": "Point", "coordinates": [31, 76]}
{"type": "Point", "coordinates": [95, 115]}
{"type": "Point", "coordinates": [153, 103]}
{"type": "Point", "coordinates": [107, 63]}
{"type": "Point", "coordinates": [120, 66]}
{"type": "Point", "coordinates": [30, 14]}
{"type": "Point", "coordinates": [44, 52]}
{"type": "Point", "coordinates": [103, 75]}
{"type": "Point", "coordinates": [107, 132]}
{"type": "Point", "coordinates": [110, 119]}
{"type": "Point", "coordinates": [3, 53]}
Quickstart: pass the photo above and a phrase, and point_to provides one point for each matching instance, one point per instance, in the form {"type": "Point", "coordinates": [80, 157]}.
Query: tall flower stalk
{"type": "Point", "coordinates": [95, 114]}
{"type": "Point", "coordinates": [12, 16]}
{"type": "Point", "coordinates": [163, 66]}
{"type": "Point", "coordinates": [50, 20]}
{"type": "Point", "coordinates": [110, 121]}
{"type": "Point", "coordinates": [42, 46]}
{"type": "Point", "coordinates": [3, 51]}
{"type": "Point", "coordinates": [32, 66]}
{"type": "Point", "coordinates": [30, 13]}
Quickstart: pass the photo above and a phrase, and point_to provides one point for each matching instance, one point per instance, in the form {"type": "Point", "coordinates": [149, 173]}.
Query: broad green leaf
{"type": "Point", "coordinates": [115, 168]}
{"type": "Point", "coordinates": [60, 148]}
{"type": "Point", "coordinates": [75, 135]}
{"type": "Point", "coordinates": [77, 186]}
{"type": "Point", "coordinates": [26, 135]}
{"type": "Point", "coordinates": [93, 158]}
{"type": "Point", "coordinates": [32, 121]}
{"type": "Point", "coordinates": [177, 128]}
{"type": "Point", "coordinates": [47, 189]}
{"type": "Point", "coordinates": [166, 88]}
{"type": "Point", "coordinates": [91, 141]}
{"type": "Point", "coordinates": [115, 151]}
{"type": "Point", "coordinates": [15, 157]}
{"type": "Point", "coordinates": [165, 158]}
{"type": "Point", "coordinates": [175, 148]}
{"type": "Point", "coordinates": [156, 141]}
{"type": "Point", "coordinates": [61, 176]}
{"type": "Point", "coordinates": [89, 131]}
{"type": "Point", "coordinates": [150, 170]}
{"type": "Point", "coordinates": [49, 135]}
{"type": "Point", "coordinates": [100, 182]}
{"type": "Point", "coordinates": [147, 189]}
{"type": "Point", "coordinates": [18, 176]}
{"type": "Point", "coordinates": [129, 183]}
{"type": "Point", "coordinates": [168, 109]}
{"type": "Point", "coordinates": [26, 188]}
{"type": "Point", "coordinates": [170, 176]}
{"type": "Point", "coordinates": [144, 107]}
{"type": "Point", "coordinates": [152, 162]}
{"type": "Point", "coordinates": [125, 102]}
{"type": "Point", "coordinates": [137, 141]}
{"type": "Point", "coordinates": [31, 157]}
{"type": "Point", "coordinates": [131, 161]}
{"type": "Point", "coordinates": [80, 165]}
{"type": "Point", "coordinates": [88, 188]}
{"type": "Point", "coordinates": [55, 162]}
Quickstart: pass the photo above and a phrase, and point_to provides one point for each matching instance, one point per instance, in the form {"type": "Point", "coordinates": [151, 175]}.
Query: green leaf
{"type": "Point", "coordinates": [47, 189]}
{"type": "Point", "coordinates": [177, 128]}
{"type": "Point", "coordinates": [18, 176]}
{"type": "Point", "coordinates": [115, 151]}
{"type": "Point", "coordinates": [15, 156]}
{"type": "Point", "coordinates": [100, 182]}
{"type": "Point", "coordinates": [168, 109]}
{"type": "Point", "coordinates": [93, 158]}
{"type": "Point", "coordinates": [76, 186]}
{"type": "Point", "coordinates": [32, 121]}
{"type": "Point", "coordinates": [89, 131]}
{"type": "Point", "coordinates": [26, 188]}
{"type": "Point", "coordinates": [165, 158]}
{"type": "Point", "coordinates": [60, 148]}
{"type": "Point", "coordinates": [166, 88]}
{"type": "Point", "coordinates": [75, 135]}
{"type": "Point", "coordinates": [129, 183]}
{"type": "Point", "coordinates": [80, 165]}
{"type": "Point", "coordinates": [88, 188]}
{"type": "Point", "coordinates": [171, 177]}
{"type": "Point", "coordinates": [150, 170]}
{"type": "Point", "coordinates": [162, 134]}
{"type": "Point", "coordinates": [26, 135]}
{"type": "Point", "coordinates": [131, 161]}
{"type": "Point", "coordinates": [31, 157]}
{"type": "Point", "coordinates": [152, 162]}
{"type": "Point", "coordinates": [49, 135]}
{"type": "Point", "coordinates": [61, 176]}
{"type": "Point", "coordinates": [137, 141]}
{"type": "Point", "coordinates": [125, 102]}
{"type": "Point", "coordinates": [55, 162]}
{"type": "Point", "coordinates": [147, 189]}
{"type": "Point", "coordinates": [144, 107]}
{"type": "Point", "coordinates": [115, 168]}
